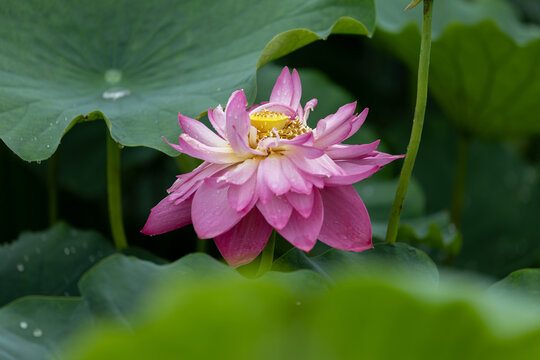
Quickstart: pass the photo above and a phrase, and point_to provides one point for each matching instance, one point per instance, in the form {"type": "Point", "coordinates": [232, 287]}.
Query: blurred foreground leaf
{"type": "Point", "coordinates": [525, 280]}
{"type": "Point", "coordinates": [235, 318]}
{"type": "Point", "coordinates": [136, 64]}
{"type": "Point", "coordinates": [484, 62]}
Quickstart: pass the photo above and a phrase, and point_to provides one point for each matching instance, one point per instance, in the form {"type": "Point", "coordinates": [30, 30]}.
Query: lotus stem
{"type": "Point", "coordinates": [418, 123]}
{"type": "Point", "coordinates": [115, 194]}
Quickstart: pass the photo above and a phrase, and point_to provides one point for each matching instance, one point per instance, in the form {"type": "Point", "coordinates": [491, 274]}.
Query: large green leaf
{"type": "Point", "coordinates": [49, 262]}
{"type": "Point", "coordinates": [484, 63]}
{"type": "Point", "coordinates": [36, 327]}
{"type": "Point", "coordinates": [117, 285]}
{"type": "Point", "coordinates": [373, 317]}
{"type": "Point", "coordinates": [137, 64]}
{"type": "Point", "coordinates": [397, 258]}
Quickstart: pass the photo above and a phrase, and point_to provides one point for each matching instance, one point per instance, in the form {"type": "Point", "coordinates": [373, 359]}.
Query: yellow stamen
{"type": "Point", "coordinates": [267, 120]}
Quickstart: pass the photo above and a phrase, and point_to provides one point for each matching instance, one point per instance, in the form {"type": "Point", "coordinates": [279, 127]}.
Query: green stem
{"type": "Point", "coordinates": [115, 194]}
{"type": "Point", "coordinates": [52, 188]}
{"type": "Point", "coordinates": [267, 255]}
{"type": "Point", "coordinates": [418, 123]}
{"type": "Point", "coordinates": [201, 245]}
{"type": "Point", "coordinates": [460, 180]}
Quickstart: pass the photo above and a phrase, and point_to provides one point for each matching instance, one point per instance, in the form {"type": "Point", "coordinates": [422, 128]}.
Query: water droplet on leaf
{"type": "Point", "coordinates": [115, 94]}
{"type": "Point", "coordinates": [113, 76]}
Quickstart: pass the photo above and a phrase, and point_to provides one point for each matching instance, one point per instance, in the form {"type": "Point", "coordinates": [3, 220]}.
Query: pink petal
{"type": "Point", "coordinates": [310, 105]}
{"type": "Point", "coordinates": [302, 203]}
{"type": "Point", "coordinates": [264, 193]}
{"type": "Point", "coordinates": [334, 128]}
{"type": "Point", "coordinates": [295, 177]}
{"type": "Point", "coordinates": [276, 211]}
{"type": "Point", "coordinates": [273, 176]}
{"type": "Point", "coordinates": [297, 90]}
{"type": "Point", "coordinates": [217, 119]}
{"type": "Point", "coordinates": [357, 122]}
{"type": "Point", "coordinates": [304, 139]}
{"type": "Point", "coordinates": [186, 186]}
{"type": "Point", "coordinates": [217, 155]}
{"type": "Point", "coordinates": [333, 136]}
{"type": "Point", "coordinates": [346, 224]}
{"type": "Point", "coordinates": [377, 158]}
{"type": "Point", "coordinates": [302, 232]}
{"type": "Point", "coordinates": [198, 131]}
{"type": "Point", "coordinates": [322, 166]}
{"type": "Point", "coordinates": [307, 152]}
{"type": "Point", "coordinates": [243, 145]}
{"type": "Point", "coordinates": [282, 92]}
{"type": "Point", "coordinates": [342, 151]}
{"type": "Point", "coordinates": [245, 241]}
{"type": "Point", "coordinates": [174, 146]}
{"type": "Point", "coordinates": [241, 172]}
{"type": "Point", "coordinates": [243, 197]}
{"type": "Point", "coordinates": [211, 213]}
{"type": "Point", "coordinates": [354, 173]}
{"type": "Point", "coordinates": [237, 123]}
{"type": "Point", "coordinates": [166, 216]}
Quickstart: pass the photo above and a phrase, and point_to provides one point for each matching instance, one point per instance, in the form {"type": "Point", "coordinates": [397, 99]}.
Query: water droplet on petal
{"type": "Point", "coordinates": [23, 324]}
{"type": "Point", "coordinates": [66, 251]}
{"type": "Point", "coordinates": [20, 267]}
{"type": "Point", "coordinates": [37, 332]}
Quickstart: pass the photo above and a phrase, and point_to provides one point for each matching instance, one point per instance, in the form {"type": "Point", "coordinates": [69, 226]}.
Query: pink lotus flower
{"type": "Point", "coordinates": [265, 168]}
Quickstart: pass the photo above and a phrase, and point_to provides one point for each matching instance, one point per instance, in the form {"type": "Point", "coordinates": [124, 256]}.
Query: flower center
{"type": "Point", "coordinates": [266, 120]}
{"type": "Point", "coordinates": [290, 130]}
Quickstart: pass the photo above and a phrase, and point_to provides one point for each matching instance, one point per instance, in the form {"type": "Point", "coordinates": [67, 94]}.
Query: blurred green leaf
{"type": "Point", "coordinates": [35, 327]}
{"type": "Point", "coordinates": [49, 262]}
{"type": "Point", "coordinates": [436, 231]}
{"type": "Point", "coordinates": [484, 62]}
{"type": "Point", "coordinates": [526, 281]}
{"type": "Point", "coordinates": [331, 264]}
{"type": "Point", "coordinates": [118, 284]}
{"type": "Point", "coordinates": [234, 318]}
{"type": "Point", "coordinates": [136, 69]}
{"type": "Point", "coordinates": [500, 212]}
